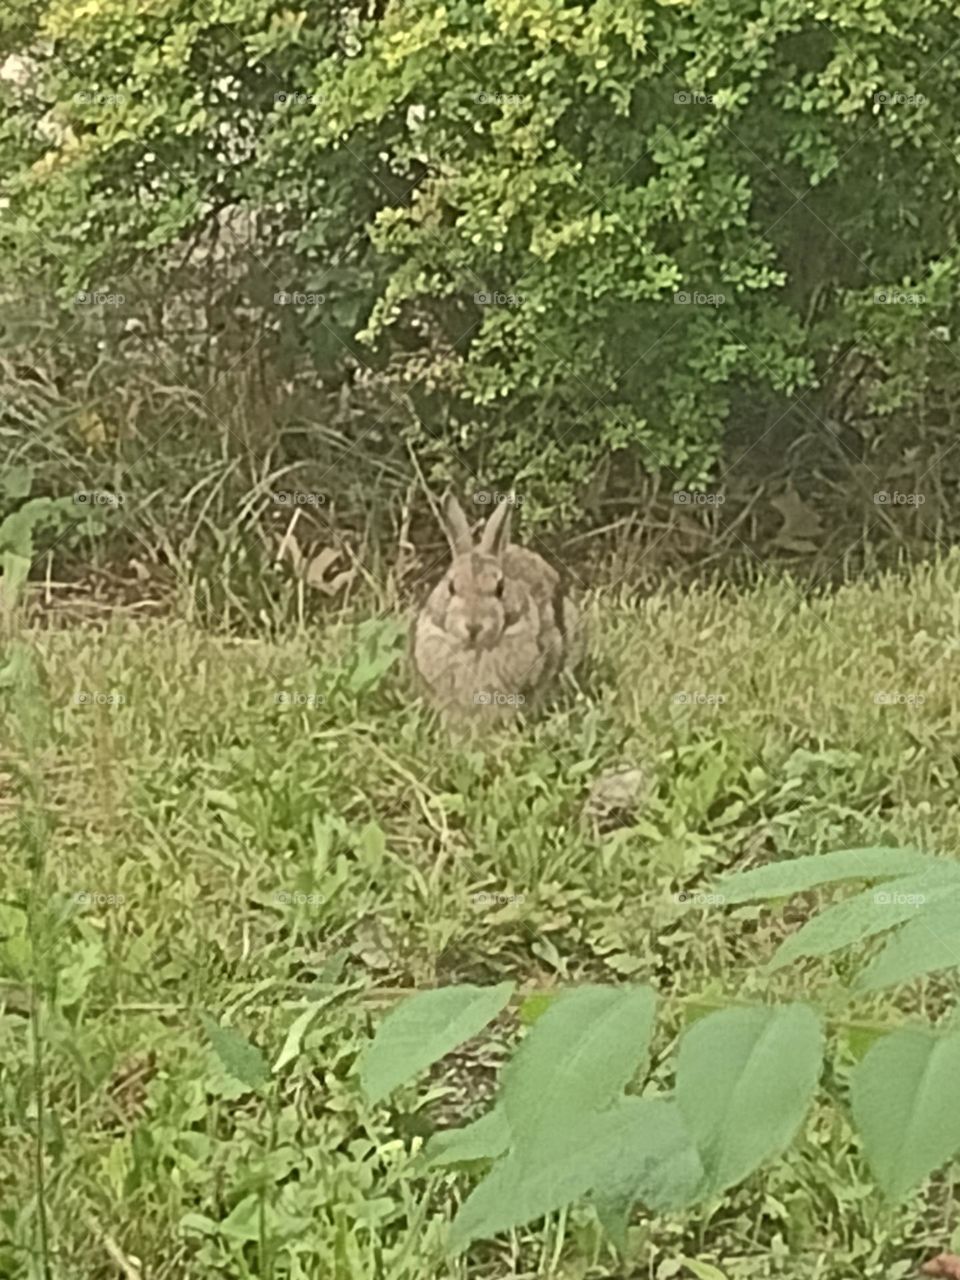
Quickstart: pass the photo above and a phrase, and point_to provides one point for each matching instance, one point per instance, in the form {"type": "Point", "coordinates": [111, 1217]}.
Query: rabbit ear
{"type": "Point", "coordinates": [496, 533]}
{"type": "Point", "coordinates": [456, 526]}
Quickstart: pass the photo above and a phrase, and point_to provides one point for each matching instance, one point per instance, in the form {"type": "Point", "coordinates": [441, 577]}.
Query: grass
{"type": "Point", "coordinates": [250, 858]}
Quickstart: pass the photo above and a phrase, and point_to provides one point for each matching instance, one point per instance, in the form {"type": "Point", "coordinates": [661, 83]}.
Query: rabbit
{"type": "Point", "coordinates": [497, 628]}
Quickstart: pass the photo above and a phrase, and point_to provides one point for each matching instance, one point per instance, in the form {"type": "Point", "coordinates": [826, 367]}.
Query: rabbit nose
{"type": "Point", "coordinates": [473, 630]}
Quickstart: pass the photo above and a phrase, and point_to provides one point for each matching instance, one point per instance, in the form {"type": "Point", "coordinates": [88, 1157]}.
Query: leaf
{"type": "Point", "coordinates": [662, 1170]}
{"type": "Point", "coordinates": [782, 879]}
{"type": "Point", "coordinates": [199, 1222]}
{"type": "Point", "coordinates": [484, 1139]}
{"type": "Point", "coordinates": [534, 1007]}
{"type": "Point", "coordinates": [373, 844]}
{"type": "Point", "coordinates": [868, 913]}
{"type": "Point", "coordinates": [221, 799]}
{"type": "Point", "coordinates": [563, 1165]}
{"type": "Point", "coordinates": [906, 1104]}
{"type": "Point", "coordinates": [861, 1039]}
{"type": "Point", "coordinates": [16, 570]}
{"type": "Point", "coordinates": [745, 1078]}
{"type": "Point", "coordinates": [240, 1058]}
{"type": "Point", "coordinates": [927, 943]}
{"type": "Point", "coordinates": [703, 1270]}
{"type": "Point", "coordinates": [293, 1044]}
{"type": "Point", "coordinates": [16, 481]}
{"type": "Point", "coordinates": [243, 1222]}
{"type": "Point", "coordinates": [579, 1055]}
{"type": "Point", "coordinates": [423, 1029]}
{"type": "Point", "coordinates": [17, 530]}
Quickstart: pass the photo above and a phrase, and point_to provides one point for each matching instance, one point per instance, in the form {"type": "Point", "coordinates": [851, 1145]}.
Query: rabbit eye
{"type": "Point", "coordinates": [498, 589]}
{"type": "Point", "coordinates": [453, 590]}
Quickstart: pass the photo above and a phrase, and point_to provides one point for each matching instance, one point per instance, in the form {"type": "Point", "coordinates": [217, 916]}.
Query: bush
{"type": "Point", "coordinates": [555, 244]}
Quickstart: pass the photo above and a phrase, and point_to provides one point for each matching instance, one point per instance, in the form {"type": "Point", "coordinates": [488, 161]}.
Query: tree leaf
{"type": "Point", "coordinates": [906, 1104]}
{"type": "Point", "coordinates": [242, 1059]}
{"type": "Point", "coordinates": [929, 942]}
{"type": "Point", "coordinates": [869, 913]}
{"type": "Point", "coordinates": [621, 1147]}
{"type": "Point", "coordinates": [661, 1170]}
{"type": "Point", "coordinates": [782, 879]}
{"type": "Point", "coordinates": [485, 1139]}
{"type": "Point", "coordinates": [424, 1028]}
{"type": "Point", "coordinates": [745, 1078]}
{"type": "Point", "coordinates": [579, 1055]}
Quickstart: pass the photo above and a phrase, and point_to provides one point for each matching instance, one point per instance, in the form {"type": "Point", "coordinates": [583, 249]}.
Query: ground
{"type": "Point", "coordinates": [247, 828]}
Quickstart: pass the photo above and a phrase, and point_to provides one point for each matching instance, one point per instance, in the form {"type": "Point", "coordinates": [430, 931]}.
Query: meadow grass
{"type": "Point", "coordinates": [254, 829]}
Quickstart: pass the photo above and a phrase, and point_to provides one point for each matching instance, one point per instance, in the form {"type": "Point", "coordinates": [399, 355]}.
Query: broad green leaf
{"type": "Point", "coordinates": [662, 1170]}
{"type": "Point", "coordinates": [240, 1058]}
{"type": "Point", "coordinates": [484, 1139]}
{"type": "Point", "coordinates": [869, 913]}
{"type": "Point", "coordinates": [782, 879]}
{"type": "Point", "coordinates": [564, 1164]}
{"type": "Point", "coordinates": [579, 1055]}
{"type": "Point", "coordinates": [424, 1028]}
{"type": "Point", "coordinates": [745, 1078]}
{"type": "Point", "coordinates": [906, 1104]}
{"type": "Point", "coordinates": [929, 942]}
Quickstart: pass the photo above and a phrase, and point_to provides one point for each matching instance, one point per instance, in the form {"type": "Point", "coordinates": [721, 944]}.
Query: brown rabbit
{"type": "Point", "coordinates": [497, 627]}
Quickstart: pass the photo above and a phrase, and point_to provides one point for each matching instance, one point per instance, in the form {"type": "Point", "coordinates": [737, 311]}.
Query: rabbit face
{"type": "Point", "coordinates": [475, 613]}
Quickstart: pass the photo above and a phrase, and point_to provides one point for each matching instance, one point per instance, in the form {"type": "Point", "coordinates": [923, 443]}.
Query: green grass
{"type": "Point", "coordinates": [262, 856]}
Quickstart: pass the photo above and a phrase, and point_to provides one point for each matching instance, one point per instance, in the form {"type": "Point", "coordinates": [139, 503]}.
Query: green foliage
{"type": "Point", "coordinates": [562, 1128]}
{"type": "Point", "coordinates": [419, 1032]}
{"type": "Point", "coordinates": [291, 867]}
{"type": "Point", "coordinates": [906, 1103]}
{"type": "Point", "coordinates": [924, 907]}
{"type": "Point", "coordinates": [30, 519]}
{"type": "Point", "coordinates": [501, 205]}
{"type": "Point", "coordinates": [745, 1080]}
{"type": "Point", "coordinates": [579, 1056]}
{"type": "Point", "coordinates": [243, 1060]}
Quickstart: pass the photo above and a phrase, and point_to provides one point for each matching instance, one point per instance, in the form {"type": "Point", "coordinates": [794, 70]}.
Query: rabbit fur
{"type": "Point", "coordinates": [497, 628]}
